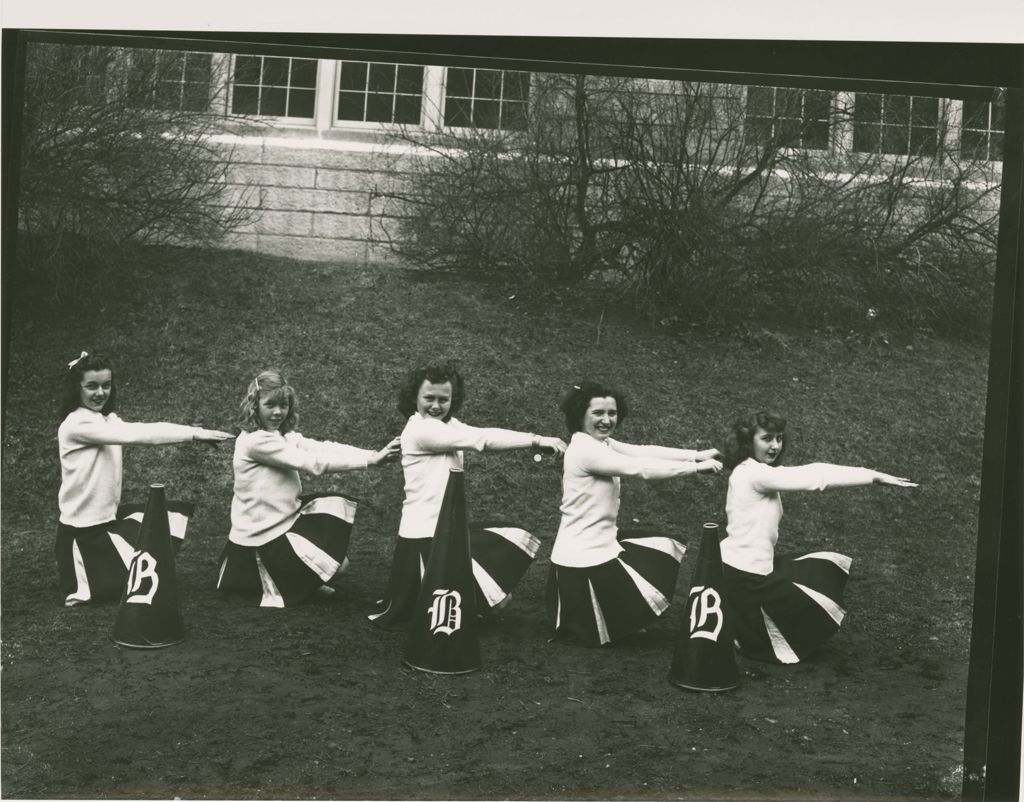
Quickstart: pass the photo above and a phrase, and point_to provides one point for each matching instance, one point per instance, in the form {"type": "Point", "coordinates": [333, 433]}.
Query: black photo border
{"type": "Point", "coordinates": [992, 743]}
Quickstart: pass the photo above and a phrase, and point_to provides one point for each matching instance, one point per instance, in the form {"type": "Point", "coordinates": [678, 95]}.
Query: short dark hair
{"type": "Point", "coordinates": [577, 400]}
{"type": "Point", "coordinates": [72, 393]}
{"type": "Point", "coordinates": [739, 440]}
{"type": "Point", "coordinates": [435, 373]}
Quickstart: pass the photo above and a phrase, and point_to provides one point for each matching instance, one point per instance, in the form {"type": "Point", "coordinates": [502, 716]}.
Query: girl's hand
{"type": "Point", "coordinates": [555, 444]}
{"type": "Point", "coordinates": [389, 453]}
{"type": "Point", "coordinates": [894, 481]}
{"type": "Point", "coordinates": [706, 454]}
{"type": "Point", "coordinates": [210, 435]}
{"type": "Point", "coordinates": [709, 465]}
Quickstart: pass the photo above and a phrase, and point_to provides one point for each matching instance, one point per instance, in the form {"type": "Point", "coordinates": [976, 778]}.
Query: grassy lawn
{"type": "Point", "coordinates": [312, 702]}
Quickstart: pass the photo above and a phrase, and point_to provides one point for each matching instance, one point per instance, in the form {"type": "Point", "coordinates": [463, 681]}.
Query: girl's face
{"type": "Point", "coordinates": [601, 417]}
{"type": "Point", "coordinates": [273, 409]}
{"type": "Point", "coordinates": [767, 445]}
{"type": "Point", "coordinates": [95, 389]}
{"type": "Point", "coordinates": [434, 400]}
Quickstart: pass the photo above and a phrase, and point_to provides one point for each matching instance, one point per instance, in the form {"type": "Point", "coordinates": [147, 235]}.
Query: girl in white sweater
{"type": "Point", "coordinates": [781, 607]}
{"type": "Point", "coordinates": [606, 583]}
{"type": "Point", "coordinates": [432, 445]}
{"type": "Point", "coordinates": [282, 548]}
{"type": "Point", "coordinates": [95, 538]}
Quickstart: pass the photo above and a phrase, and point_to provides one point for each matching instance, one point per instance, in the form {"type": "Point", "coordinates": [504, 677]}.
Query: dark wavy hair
{"type": "Point", "coordinates": [435, 373]}
{"type": "Point", "coordinates": [738, 444]}
{"type": "Point", "coordinates": [271, 384]}
{"type": "Point", "coordinates": [577, 400]}
{"type": "Point", "coordinates": [71, 399]}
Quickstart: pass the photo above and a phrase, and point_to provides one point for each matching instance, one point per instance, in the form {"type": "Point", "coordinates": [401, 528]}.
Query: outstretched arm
{"type": "Point", "coordinates": [601, 461]}
{"type": "Point", "coordinates": [820, 476]}
{"type": "Point", "coordinates": [436, 437]}
{"type": "Point", "coordinates": [665, 452]}
{"type": "Point", "coordinates": [117, 432]}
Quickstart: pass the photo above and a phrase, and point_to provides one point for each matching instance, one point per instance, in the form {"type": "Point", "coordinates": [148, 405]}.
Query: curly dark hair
{"type": "Point", "coordinates": [435, 373]}
{"type": "Point", "coordinates": [71, 397]}
{"type": "Point", "coordinates": [738, 444]}
{"type": "Point", "coordinates": [577, 400]}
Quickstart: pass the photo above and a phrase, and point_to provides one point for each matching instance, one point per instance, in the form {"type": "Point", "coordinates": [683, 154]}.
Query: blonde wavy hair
{"type": "Point", "coordinates": [270, 385]}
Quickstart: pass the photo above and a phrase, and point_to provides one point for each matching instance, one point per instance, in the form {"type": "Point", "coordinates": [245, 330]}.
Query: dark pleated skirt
{"type": "Point", "coordinates": [500, 554]}
{"type": "Point", "coordinates": [92, 562]}
{"type": "Point", "coordinates": [599, 604]}
{"type": "Point", "coordinates": [785, 616]}
{"type": "Point", "coordinates": [295, 565]}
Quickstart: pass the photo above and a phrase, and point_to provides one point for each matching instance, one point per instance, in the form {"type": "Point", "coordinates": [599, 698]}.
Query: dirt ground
{"type": "Point", "coordinates": [313, 702]}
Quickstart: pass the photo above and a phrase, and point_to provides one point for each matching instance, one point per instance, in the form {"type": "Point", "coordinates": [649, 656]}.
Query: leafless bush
{"type": "Point", "coordinates": [116, 150]}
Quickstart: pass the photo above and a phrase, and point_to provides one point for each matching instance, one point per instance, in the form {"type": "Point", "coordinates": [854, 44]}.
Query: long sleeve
{"type": "Point", "coordinates": [813, 476]}
{"type": "Point", "coordinates": [600, 460]}
{"type": "Point", "coordinates": [654, 452]}
{"type": "Point", "coordinates": [97, 431]}
{"type": "Point", "coordinates": [433, 436]}
{"type": "Point", "coordinates": [298, 453]}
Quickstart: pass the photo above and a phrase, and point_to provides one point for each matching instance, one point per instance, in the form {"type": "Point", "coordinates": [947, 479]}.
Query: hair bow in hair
{"type": "Point", "coordinates": [80, 357]}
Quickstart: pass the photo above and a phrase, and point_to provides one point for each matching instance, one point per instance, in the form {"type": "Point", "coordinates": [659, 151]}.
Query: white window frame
{"type": "Point", "coordinates": [304, 122]}
{"type": "Point", "coordinates": [373, 125]}
{"type": "Point", "coordinates": [501, 100]}
{"type": "Point", "coordinates": [776, 118]}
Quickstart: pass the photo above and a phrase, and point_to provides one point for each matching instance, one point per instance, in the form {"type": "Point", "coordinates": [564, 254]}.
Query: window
{"type": "Point", "coordinates": [793, 117]}
{"type": "Point", "coordinates": [982, 129]}
{"type": "Point", "coordinates": [901, 124]}
{"type": "Point", "coordinates": [486, 98]}
{"type": "Point", "coordinates": [379, 93]}
{"type": "Point", "coordinates": [172, 79]}
{"type": "Point", "coordinates": [274, 86]}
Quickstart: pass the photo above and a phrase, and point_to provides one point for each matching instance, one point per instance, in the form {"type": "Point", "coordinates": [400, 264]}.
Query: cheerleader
{"type": "Point", "coordinates": [95, 538]}
{"type": "Point", "coordinates": [282, 549]}
{"type": "Point", "coordinates": [605, 582]}
{"type": "Point", "coordinates": [781, 607]}
{"type": "Point", "coordinates": [432, 444]}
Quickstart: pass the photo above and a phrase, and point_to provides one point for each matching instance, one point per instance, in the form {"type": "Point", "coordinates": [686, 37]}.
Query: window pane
{"type": "Point", "coordinates": [247, 69]}
{"type": "Point", "coordinates": [275, 71]}
{"type": "Point", "coordinates": [410, 80]}
{"type": "Point", "coordinates": [517, 85]}
{"type": "Point", "coordinates": [787, 102]}
{"type": "Point", "coordinates": [973, 145]}
{"type": "Point", "coordinates": [926, 111]}
{"type": "Point", "coordinates": [273, 101]}
{"type": "Point", "coordinates": [304, 73]}
{"type": "Point", "coordinates": [867, 108]}
{"type": "Point", "coordinates": [816, 105]}
{"type": "Point", "coordinates": [865, 138]}
{"type": "Point", "coordinates": [923, 141]}
{"type": "Point", "coordinates": [457, 112]}
{"type": "Point", "coordinates": [196, 97]}
{"type": "Point", "coordinates": [245, 100]}
{"type": "Point", "coordinates": [897, 109]}
{"type": "Point", "coordinates": [378, 108]}
{"type": "Point", "coordinates": [353, 75]}
{"type": "Point", "coordinates": [759, 101]}
{"type": "Point", "coordinates": [382, 78]}
{"type": "Point", "coordinates": [996, 147]}
{"type": "Point", "coordinates": [350, 105]}
{"type": "Point", "coordinates": [894, 139]}
{"type": "Point", "coordinates": [513, 116]}
{"type": "Point", "coordinates": [485, 113]}
{"type": "Point", "coordinates": [198, 67]}
{"type": "Point", "coordinates": [459, 82]}
{"type": "Point", "coordinates": [488, 84]}
{"type": "Point", "coordinates": [407, 110]}
{"type": "Point", "coordinates": [816, 135]}
{"type": "Point", "coordinates": [301, 102]}
{"type": "Point", "coordinates": [788, 131]}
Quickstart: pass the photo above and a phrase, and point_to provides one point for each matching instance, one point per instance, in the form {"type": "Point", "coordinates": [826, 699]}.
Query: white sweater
{"type": "Point", "coordinates": [267, 483]}
{"type": "Point", "coordinates": [431, 449]}
{"type": "Point", "coordinates": [90, 461]}
{"type": "Point", "coordinates": [753, 506]}
{"type": "Point", "coordinates": [587, 532]}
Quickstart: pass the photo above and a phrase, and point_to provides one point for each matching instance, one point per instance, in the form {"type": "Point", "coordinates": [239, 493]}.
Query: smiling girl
{"type": "Point", "coordinates": [95, 541]}
{"type": "Point", "coordinates": [283, 549]}
{"type": "Point", "coordinates": [605, 582]}
{"type": "Point", "coordinates": [432, 444]}
{"type": "Point", "coordinates": [781, 607]}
